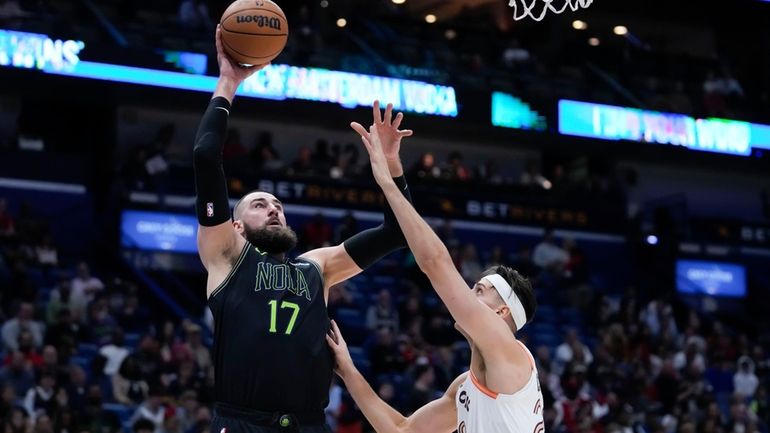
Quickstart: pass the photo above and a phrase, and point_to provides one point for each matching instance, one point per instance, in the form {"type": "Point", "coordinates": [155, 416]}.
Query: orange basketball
{"type": "Point", "coordinates": [254, 32]}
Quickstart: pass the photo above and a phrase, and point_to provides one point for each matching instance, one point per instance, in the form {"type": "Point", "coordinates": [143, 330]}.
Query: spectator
{"type": "Point", "coordinates": [133, 318]}
{"type": "Point", "coordinates": [64, 334]}
{"type": "Point", "coordinates": [383, 356]}
{"type": "Point", "coordinates": [27, 348]}
{"type": "Point", "coordinates": [40, 399]}
{"type": "Point", "coordinates": [455, 170]}
{"type": "Point", "coordinates": [7, 399]}
{"type": "Point", "coordinates": [522, 262]}
{"type": "Point", "coordinates": [423, 391]}
{"type": "Point", "coordinates": [322, 158]}
{"type": "Point", "coordinates": [382, 314]}
{"type": "Point", "coordinates": [335, 404]}
{"type": "Point", "coordinates": [235, 154]}
{"type": "Point", "coordinates": [571, 350]}
{"type": "Point", "coordinates": [745, 382]}
{"type": "Point", "coordinates": [690, 358]}
{"type": "Point", "coordinates": [265, 156]}
{"type": "Point", "coordinates": [50, 364]}
{"type": "Point", "coordinates": [115, 352]}
{"type": "Point", "coordinates": [46, 253]}
{"type": "Point", "coordinates": [84, 285]}
{"type": "Point", "coordinates": [23, 322]}
{"type": "Point", "coordinates": [77, 389]}
{"type": "Point", "coordinates": [200, 353]}
{"type": "Point", "coordinates": [233, 148]}
{"type": "Point", "coordinates": [61, 299]}
{"type": "Point", "coordinates": [128, 385]}
{"type": "Point", "coordinates": [470, 268]}
{"type": "Point", "coordinates": [347, 228]}
{"type": "Point", "coordinates": [101, 324]}
{"type": "Point", "coordinates": [548, 255]}
{"type": "Point", "coordinates": [18, 421]}
{"type": "Point", "coordinates": [317, 233]}
{"type": "Point", "coordinates": [426, 167]}
{"type": "Point", "coordinates": [18, 374]}
{"type": "Point", "coordinates": [152, 410]}
{"type": "Point", "coordinates": [339, 297]}
{"type": "Point", "coordinates": [94, 418]}
{"type": "Point", "coordinates": [303, 164]}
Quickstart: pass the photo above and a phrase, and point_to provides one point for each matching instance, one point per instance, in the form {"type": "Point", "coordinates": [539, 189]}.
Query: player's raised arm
{"type": "Point", "coordinates": [364, 249]}
{"type": "Point", "coordinates": [438, 416]}
{"type": "Point", "coordinates": [218, 242]}
{"type": "Point", "coordinates": [480, 322]}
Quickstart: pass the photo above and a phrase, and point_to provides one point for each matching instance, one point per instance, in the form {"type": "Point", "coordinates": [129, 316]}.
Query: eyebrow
{"type": "Point", "coordinates": [275, 200]}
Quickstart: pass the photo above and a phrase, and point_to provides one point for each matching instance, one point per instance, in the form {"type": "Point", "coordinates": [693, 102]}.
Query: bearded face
{"type": "Point", "coordinates": [271, 239]}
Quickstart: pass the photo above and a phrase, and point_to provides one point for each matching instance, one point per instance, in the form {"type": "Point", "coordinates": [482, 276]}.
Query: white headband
{"type": "Point", "coordinates": [510, 298]}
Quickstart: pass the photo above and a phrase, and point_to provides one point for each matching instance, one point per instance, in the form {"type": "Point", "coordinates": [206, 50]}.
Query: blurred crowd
{"type": "Point", "coordinates": [150, 167]}
{"type": "Point", "coordinates": [82, 351]}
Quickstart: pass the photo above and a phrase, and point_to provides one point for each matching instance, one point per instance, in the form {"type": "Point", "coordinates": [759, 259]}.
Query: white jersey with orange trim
{"type": "Point", "coordinates": [480, 410]}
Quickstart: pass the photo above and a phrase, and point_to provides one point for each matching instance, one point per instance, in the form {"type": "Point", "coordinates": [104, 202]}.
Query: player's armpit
{"type": "Point", "coordinates": [219, 246]}
{"type": "Point", "coordinates": [438, 416]}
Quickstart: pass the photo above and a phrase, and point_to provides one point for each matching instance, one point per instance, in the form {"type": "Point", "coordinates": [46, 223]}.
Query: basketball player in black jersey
{"type": "Point", "coordinates": [273, 368]}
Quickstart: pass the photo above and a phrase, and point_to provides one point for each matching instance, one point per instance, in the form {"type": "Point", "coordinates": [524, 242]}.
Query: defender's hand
{"type": "Point", "coordinates": [344, 363]}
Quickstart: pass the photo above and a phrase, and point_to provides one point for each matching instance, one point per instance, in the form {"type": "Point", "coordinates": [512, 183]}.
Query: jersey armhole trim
{"type": "Point", "coordinates": [232, 271]}
{"type": "Point", "coordinates": [486, 391]}
{"type": "Point", "coordinates": [316, 266]}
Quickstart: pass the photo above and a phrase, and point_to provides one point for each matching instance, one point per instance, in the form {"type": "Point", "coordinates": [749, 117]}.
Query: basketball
{"type": "Point", "coordinates": [254, 32]}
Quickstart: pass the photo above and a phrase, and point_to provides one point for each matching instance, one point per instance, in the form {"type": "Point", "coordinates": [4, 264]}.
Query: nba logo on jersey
{"type": "Point", "coordinates": [210, 213]}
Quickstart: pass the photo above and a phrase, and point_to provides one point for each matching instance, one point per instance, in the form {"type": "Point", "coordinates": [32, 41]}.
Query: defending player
{"type": "Point", "coordinates": [501, 392]}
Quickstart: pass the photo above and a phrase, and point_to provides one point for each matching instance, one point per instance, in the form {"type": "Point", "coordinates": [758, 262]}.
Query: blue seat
{"type": "Point", "coordinates": [350, 316]}
{"type": "Point", "coordinates": [81, 361]}
{"type": "Point", "coordinates": [87, 350]}
{"type": "Point", "coordinates": [132, 339]}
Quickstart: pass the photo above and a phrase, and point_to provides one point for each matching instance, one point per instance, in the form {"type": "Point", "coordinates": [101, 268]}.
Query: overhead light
{"type": "Point", "coordinates": [430, 18]}
{"type": "Point", "coordinates": [324, 4]}
{"type": "Point", "coordinates": [450, 34]}
{"type": "Point", "coordinates": [342, 22]}
{"type": "Point", "coordinates": [594, 42]}
{"type": "Point", "coordinates": [652, 240]}
{"type": "Point", "coordinates": [399, 2]}
{"type": "Point", "coordinates": [620, 30]}
{"type": "Point", "coordinates": [579, 25]}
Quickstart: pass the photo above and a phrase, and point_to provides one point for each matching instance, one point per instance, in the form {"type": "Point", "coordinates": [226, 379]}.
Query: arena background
{"type": "Point", "coordinates": [623, 169]}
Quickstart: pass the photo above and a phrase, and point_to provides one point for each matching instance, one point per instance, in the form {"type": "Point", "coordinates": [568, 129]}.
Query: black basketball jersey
{"type": "Point", "coordinates": [270, 323]}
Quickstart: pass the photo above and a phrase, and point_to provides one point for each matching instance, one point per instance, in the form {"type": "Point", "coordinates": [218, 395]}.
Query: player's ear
{"type": "Point", "coordinates": [503, 311]}
{"type": "Point", "coordinates": [238, 225]}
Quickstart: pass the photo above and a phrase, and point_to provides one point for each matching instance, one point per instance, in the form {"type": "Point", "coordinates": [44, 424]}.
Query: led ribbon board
{"type": "Point", "coordinates": [609, 122]}
{"type": "Point", "coordinates": [511, 112]}
{"type": "Point", "coordinates": [277, 82]}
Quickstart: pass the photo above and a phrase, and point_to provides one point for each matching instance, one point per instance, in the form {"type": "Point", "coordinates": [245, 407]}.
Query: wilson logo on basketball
{"type": "Point", "coordinates": [260, 21]}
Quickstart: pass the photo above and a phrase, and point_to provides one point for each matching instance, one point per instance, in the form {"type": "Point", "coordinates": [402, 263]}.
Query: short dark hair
{"type": "Point", "coordinates": [521, 286]}
{"type": "Point", "coordinates": [238, 203]}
